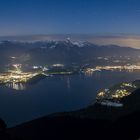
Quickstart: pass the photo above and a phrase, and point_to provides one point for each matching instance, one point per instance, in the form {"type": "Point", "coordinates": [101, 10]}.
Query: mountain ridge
{"type": "Point", "coordinates": [66, 52]}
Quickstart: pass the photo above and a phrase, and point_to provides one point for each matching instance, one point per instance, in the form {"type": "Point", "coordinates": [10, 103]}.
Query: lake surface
{"type": "Point", "coordinates": [56, 94]}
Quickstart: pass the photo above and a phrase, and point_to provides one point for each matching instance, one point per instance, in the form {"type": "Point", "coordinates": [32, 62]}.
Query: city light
{"type": "Point", "coordinates": [16, 75]}
{"type": "Point", "coordinates": [129, 68]}
{"type": "Point", "coordinates": [113, 95]}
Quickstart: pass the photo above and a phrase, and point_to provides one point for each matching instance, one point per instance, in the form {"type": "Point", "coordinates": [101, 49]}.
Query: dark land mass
{"type": "Point", "coordinates": [36, 79]}
{"type": "Point", "coordinates": [95, 122]}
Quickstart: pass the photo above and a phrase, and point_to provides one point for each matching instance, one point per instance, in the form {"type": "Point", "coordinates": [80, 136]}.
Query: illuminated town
{"type": "Point", "coordinates": [113, 95]}
{"type": "Point", "coordinates": [129, 68]}
{"type": "Point", "coordinates": [17, 79]}
{"type": "Point", "coordinates": [17, 76]}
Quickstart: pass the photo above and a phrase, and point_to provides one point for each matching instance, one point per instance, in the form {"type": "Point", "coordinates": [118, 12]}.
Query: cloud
{"type": "Point", "coordinates": [128, 41]}
{"type": "Point", "coordinates": [122, 39]}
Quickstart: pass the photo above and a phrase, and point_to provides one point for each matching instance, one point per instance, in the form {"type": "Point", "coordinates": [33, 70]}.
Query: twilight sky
{"type": "Point", "coordinates": [20, 17]}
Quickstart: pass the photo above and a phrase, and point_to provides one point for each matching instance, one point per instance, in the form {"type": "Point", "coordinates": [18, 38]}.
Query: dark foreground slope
{"type": "Point", "coordinates": [113, 124]}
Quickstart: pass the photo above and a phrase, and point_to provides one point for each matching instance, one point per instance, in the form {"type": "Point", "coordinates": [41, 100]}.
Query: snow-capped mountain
{"type": "Point", "coordinates": [67, 52]}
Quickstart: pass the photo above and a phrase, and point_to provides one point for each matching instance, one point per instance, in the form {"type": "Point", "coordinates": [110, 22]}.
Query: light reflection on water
{"type": "Point", "coordinates": [16, 86]}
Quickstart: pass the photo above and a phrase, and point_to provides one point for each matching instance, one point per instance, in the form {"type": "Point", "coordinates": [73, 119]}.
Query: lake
{"type": "Point", "coordinates": [56, 94]}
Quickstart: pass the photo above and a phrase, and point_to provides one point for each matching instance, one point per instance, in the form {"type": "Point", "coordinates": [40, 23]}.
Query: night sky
{"type": "Point", "coordinates": [21, 17]}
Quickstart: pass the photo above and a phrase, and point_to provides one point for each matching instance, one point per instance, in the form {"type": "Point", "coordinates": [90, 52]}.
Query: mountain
{"type": "Point", "coordinates": [83, 53]}
{"type": "Point", "coordinates": [66, 52]}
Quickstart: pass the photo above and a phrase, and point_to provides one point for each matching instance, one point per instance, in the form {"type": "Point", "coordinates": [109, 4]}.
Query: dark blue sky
{"type": "Point", "coordinates": [69, 16]}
